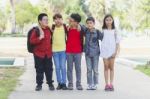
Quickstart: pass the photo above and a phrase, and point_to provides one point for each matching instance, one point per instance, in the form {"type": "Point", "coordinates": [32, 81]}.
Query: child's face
{"type": "Point", "coordinates": [58, 21]}
{"type": "Point", "coordinates": [72, 22]}
{"type": "Point", "coordinates": [44, 21]}
{"type": "Point", "coordinates": [108, 21]}
{"type": "Point", "coordinates": [90, 24]}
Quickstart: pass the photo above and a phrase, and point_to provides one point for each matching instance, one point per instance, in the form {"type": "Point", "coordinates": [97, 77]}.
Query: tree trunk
{"type": "Point", "coordinates": [13, 17]}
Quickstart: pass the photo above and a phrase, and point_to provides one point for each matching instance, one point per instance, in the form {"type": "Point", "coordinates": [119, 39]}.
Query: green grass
{"type": "Point", "coordinates": [12, 35]}
{"type": "Point", "coordinates": [145, 69]}
{"type": "Point", "coordinates": [8, 80]}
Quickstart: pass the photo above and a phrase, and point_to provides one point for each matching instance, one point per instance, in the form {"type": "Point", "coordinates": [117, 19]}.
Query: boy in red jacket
{"type": "Point", "coordinates": [42, 53]}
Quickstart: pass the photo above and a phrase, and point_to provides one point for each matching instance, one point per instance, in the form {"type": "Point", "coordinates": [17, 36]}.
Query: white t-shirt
{"type": "Point", "coordinates": [108, 46]}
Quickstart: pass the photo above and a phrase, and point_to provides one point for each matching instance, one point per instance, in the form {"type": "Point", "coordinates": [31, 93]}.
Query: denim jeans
{"type": "Point", "coordinates": [92, 69]}
{"type": "Point", "coordinates": [60, 66]}
{"type": "Point", "coordinates": [76, 59]}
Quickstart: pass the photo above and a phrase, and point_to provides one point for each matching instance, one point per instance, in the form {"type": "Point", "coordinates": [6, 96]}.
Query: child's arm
{"type": "Point", "coordinates": [100, 35]}
{"type": "Point", "coordinates": [117, 50]}
{"type": "Point", "coordinates": [34, 39]}
{"type": "Point", "coordinates": [83, 29]}
{"type": "Point", "coordinates": [118, 39]}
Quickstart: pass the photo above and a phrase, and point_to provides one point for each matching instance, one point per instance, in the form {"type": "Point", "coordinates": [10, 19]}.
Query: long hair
{"type": "Point", "coordinates": [104, 23]}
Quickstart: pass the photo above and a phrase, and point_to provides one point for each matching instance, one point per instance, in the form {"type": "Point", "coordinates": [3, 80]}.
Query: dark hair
{"type": "Point", "coordinates": [40, 17]}
{"type": "Point", "coordinates": [104, 24]}
{"type": "Point", "coordinates": [90, 19]}
{"type": "Point", "coordinates": [57, 15]}
{"type": "Point", "coordinates": [76, 17]}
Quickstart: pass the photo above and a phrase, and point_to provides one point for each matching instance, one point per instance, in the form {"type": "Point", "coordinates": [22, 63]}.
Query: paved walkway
{"type": "Point", "coordinates": [129, 84]}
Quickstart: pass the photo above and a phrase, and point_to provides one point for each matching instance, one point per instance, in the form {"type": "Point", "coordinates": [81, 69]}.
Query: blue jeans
{"type": "Point", "coordinates": [60, 66]}
{"type": "Point", "coordinates": [92, 69]}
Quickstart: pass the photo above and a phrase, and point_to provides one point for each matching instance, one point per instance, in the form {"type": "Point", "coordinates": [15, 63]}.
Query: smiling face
{"type": "Point", "coordinates": [109, 21]}
{"type": "Point", "coordinates": [58, 21]}
{"type": "Point", "coordinates": [44, 21]}
{"type": "Point", "coordinates": [72, 22]}
{"type": "Point", "coordinates": [90, 24]}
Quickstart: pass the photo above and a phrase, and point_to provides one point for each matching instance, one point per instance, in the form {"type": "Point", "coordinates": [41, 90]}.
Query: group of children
{"type": "Point", "coordinates": [66, 44]}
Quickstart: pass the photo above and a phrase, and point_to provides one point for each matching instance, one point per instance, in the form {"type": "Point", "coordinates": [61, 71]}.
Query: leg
{"type": "Point", "coordinates": [39, 66]}
{"type": "Point", "coordinates": [111, 66]}
{"type": "Point", "coordinates": [62, 64]}
{"type": "Point", "coordinates": [49, 70]}
{"type": "Point", "coordinates": [57, 63]}
{"type": "Point", "coordinates": [62, 59]}
{"type": "Point", "coordinates": [106, 69]}
{"type": "Point", "coordinates": [95, 69]}
{"type": "Point", "coordinates": [89, 70]}
{"type": "Point", "coordinates": [77, 60]}
{"type": "Point", "coordinates": [70, 68]}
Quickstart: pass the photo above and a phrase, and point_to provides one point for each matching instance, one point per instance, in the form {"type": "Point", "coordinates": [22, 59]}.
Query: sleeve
{"type": "Point", "coordinates": [34, 39]}
{"type": "Point", "coordinates": [100, 35]}
{"type": "Point", "coordinates": [83, 28]}
{"type": "Point", "coordinates": [117, 36]}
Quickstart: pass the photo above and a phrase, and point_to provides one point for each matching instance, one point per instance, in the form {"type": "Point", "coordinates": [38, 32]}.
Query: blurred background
{"type": "Point", "coordinates": [132, 18]}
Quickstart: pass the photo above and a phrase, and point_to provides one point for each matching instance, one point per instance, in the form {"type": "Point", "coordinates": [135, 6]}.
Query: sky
{"type": "Point", "coordinates": [34, 2]}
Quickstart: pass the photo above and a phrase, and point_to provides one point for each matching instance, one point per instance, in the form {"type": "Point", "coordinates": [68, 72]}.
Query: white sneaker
{"type": "Point", "coordinates": [89, 87]}
{"type": "Point", "coordinates": [94, 87]}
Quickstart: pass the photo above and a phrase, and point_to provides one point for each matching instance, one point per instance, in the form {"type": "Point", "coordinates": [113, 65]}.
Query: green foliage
{"type": "Point", "coordinates": [144, 68]}
{"type": "Point", "coordinates": [28, 14]}
{"type": "Point", "coordinates": [133, 14]}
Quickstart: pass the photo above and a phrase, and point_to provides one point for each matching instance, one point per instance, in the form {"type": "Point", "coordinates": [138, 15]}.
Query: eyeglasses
{"type": "Point", "coordinates": [45, 19]}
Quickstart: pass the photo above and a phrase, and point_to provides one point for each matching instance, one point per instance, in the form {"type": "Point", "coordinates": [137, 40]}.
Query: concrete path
{"type": "Point", "coordinates": [129, 84]}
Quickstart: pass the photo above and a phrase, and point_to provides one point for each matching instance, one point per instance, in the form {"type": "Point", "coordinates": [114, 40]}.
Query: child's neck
{"type": "Point", "coordinates": [109, 27]}
{"type": "Point", "coordinates": [91, 29]}
{"type": "Point", "coordinates": [59, 25]}
{"type": "Point", "coordinates": [74, 27]}
{"type": "Point", "coordinates": [43, 27]}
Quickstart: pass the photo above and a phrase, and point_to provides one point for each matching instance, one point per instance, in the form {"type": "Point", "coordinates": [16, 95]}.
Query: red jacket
{"type": "Point", "coordinates": [74, 43]}
{"type": "Point", "coordinates": [42, 47]}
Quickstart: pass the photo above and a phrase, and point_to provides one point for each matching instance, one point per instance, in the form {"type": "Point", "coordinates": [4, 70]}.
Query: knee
{"type": "Point", "coordinates": [57, 68]}
{"type": "Point", "coordinates": [89, 70]}
{"type": "Point", "coordinates": [111, 68]}
{"type": "Point", "coordinates": [106, 68]}
{"type": "Point", "coordinates": [96, 72]}
{"type": "Point", "coordinates": [63, 68]}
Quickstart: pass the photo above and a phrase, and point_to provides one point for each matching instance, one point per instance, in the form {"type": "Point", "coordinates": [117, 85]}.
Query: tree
{"type": "Point", "coordinates": [145, 9]}
{"type": "Point", "coordinates": [13, 17]}
{"type": "Point", "coordinates": [26, 16]}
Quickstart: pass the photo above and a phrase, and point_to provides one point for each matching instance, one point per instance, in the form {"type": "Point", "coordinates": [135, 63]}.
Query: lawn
{"type": "Point", "coordinates": [8, 80]}
{"type": "Point", "coordinates": [145, 69]}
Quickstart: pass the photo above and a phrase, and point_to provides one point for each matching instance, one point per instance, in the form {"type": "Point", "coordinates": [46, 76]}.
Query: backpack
{"type": "Point", "coordinates": [65, 29]}
{"type": "Point", "coordinates": [30, 46]}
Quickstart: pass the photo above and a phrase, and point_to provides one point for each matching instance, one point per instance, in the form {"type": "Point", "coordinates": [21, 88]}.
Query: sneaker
{"type": "Point", "coordinates": [107, 88]}
{"type": "Point", "coordinates": [79, 87]}
{"type": "Point", "coordinates": [89, 87]}
{"type": "Point", "coordinates": [111, 87]}
{"type": "Point", "coordinates": [51, 87]}
{"type": "Point", "coordinates": [64, 87]}
{"type": "Point", "coordinates": [70, 87]}
{"type": "Point", "coordinates": [59, 86]}
{"type": "Point", "coordinates": [94, 87]}
{"type": "Point", "coordinates": [38, 88]}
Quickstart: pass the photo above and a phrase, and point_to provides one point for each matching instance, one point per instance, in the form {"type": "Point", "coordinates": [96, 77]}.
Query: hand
{"type": "Point", "coordinates": [79, 27]}
{"type": "Point", "coordinates": [41, 36]}
{"type": "Point", "coordinates": [41, 33]}
{"type": "Point", "coordinates": [114, 55]}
